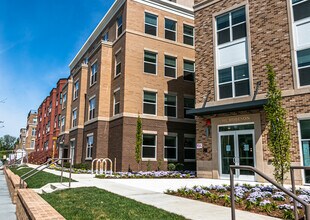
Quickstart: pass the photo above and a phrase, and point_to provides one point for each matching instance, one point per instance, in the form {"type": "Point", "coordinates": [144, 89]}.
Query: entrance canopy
{"type": "Point", "coordinates": [210, 110]}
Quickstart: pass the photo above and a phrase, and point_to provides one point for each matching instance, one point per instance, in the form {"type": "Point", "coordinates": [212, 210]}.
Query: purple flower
{"type": "Point", "coordinates": [264, 203]}
{"type": "Point", "coordinates": [286, 206]}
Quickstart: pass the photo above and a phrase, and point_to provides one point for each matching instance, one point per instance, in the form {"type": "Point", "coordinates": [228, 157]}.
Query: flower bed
{"type": "Point", "coordinates": [260, 199]}
{"type": "Point", "coordinates": [74, 170]}
{"type": "Point", "coordinates": [148, 174]}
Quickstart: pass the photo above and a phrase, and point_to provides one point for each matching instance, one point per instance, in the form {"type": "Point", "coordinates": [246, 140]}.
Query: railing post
{"type": "Point", "coordinates": [62, 168]}
{"type": "Point", "coordinates": [294, 191]}
{"type": "Point", "coordinates": [70, 173]}
{"type": "Point", "coordinates": [232, 194]}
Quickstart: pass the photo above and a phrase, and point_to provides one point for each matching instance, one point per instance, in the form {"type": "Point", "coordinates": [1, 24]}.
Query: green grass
{"type": "Point", "coordinates": [93, 203]}
{"type": "Point", "coordinates": [40, 179]}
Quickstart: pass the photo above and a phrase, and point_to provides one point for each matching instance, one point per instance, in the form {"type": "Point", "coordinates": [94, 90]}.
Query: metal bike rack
{"type": "Point", "coordinates": [291, 194]}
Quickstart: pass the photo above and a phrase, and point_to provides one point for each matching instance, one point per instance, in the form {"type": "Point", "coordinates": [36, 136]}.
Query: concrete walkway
{"type": "Point", "coordinates": [7, 208]}
{"type": "Point", "coordinates": [150, 191]}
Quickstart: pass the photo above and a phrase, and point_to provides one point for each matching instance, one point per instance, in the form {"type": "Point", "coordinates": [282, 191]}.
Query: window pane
{"type": "Point", "coordinates": [170, 141]}
{"type": "Point", "coordinates": [305, 129]}
{"type": "Point", "coordinates": [189, 143]}
{"type": "Point", "coordinates": [149, 139]}
{"type": "Point", "coordinates": [150, 19]}
{"type": "Point", "coordinates": [149, 97]}
{"type": "Point", "coordinates": [242, 88]}
{"type": "Point", "coordinates": [225, 91]}
{"type": "Point", "coordinates": [149, 109]}
{"type": "Point", "coordinates": [150, 30]}
{"type": "Point", "coordinates": [241, 72]}
{"type": "Point", "coordinates": [170, 35]}
{"type": "Point", "coordinates": [301, 10]}
{"type": "Point", "coordinates": [170, 61]}
{"type": "Point", "coordinates": [188, 30]}
{"type": "Point", "coordinates": [189, 70]}
{"type": "Point", "coordinates": [170, 24]}
{"type": "Point", "coordinates": [117, 96]}
{"type": "Point", "coordinates": [225, 75]}
{"type": "Point", "coordinates": [190, 154]}
{"type": "Point", "coordinates": [188, 40]}
{"type": "Point", "coordinates": [189, 65]}
{"type": "Point", "coordinates": [223, 36]}
{"type": "Point", "coordinates": [239, 31]}
{"type": "Point", "coordinates": [170, 111]}
{"type": "Point", "coordinates": [148, 152]}
{"type": "Point", "coordinates": [149, 68]}
{"type": "Point", "coordinates": [170, 100]}
{"type": "Point", "coordinates": [189, 103]}
{"type": "Point", "coordinates": [170, 153]}
{"type": "Point", "coordinates": [238, 16]}
{"type": "Point", "coordinates": [116, 109]}
{"type": "Point", "coordinates": [304, 76]}
{"type": "Point", "coordinates": [170, 72]}
{"type": "Point", "coordinates": [303, 57]}
{"type": "Point", "coordinates": [222, 21]}
{"type": "Point", "coordinates": [150, 57]}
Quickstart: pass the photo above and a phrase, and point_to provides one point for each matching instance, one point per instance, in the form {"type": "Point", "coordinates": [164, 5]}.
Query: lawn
{"type": "Point", "coordinates": [93, 203]}
{"type": "Point", "coordinates": [40, 179]}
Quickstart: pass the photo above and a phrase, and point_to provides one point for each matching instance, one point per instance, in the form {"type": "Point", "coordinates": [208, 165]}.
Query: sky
{"type": "Point", "coordinates": [38, 40]}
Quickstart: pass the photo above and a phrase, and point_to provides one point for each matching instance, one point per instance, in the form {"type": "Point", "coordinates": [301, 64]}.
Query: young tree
{"type": "Point", "coordinates": [8, 142]}
{"type": "Point", "coordinates": [279, 134]}
{"type": "Point", "coordinates": [138, 141]}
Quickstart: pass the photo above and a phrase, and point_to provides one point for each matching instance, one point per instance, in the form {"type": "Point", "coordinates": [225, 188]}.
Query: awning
{"type": "Point", "coordinates": [241, 106]}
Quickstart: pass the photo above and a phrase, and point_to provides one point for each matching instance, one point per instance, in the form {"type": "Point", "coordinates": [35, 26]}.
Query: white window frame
{"type": "Point", "coordinates": [63, 118]}
{"type": "Point", "coordinates": [146, 158]}
{"type": "Point", "coordinates": [300, 147]}
{"type": "Point", "coordinates": [118, 53]}
{"type": "Point", "coordinates": [91, 112]}
{"type": "Point", "coordinates": [93, 75]}
{"type": "Point", "coordinates": [91, 146]}
{"type": "Point", "coordinates": [176, 105]}
{"type": "Point", "coordinates": [187, 108]}
{"type": "Point", "coordinates": [115, 103]}
{"type": "Point", "coordinates": [105, 37]}
{"type": "Point", "coordinates": [151, 24]}
{"type": "Point", "coordinates": [187, 35]}
{"type": "Point", "coordinates": [64, 100]}
{"type": "Point", "coordinates": [176, 29]}
{"type": "Point", "coordinates": [33, 132]}
{"type": "Point", "coordinates": [188, 148]}
{"type": "Point", "coordinates": [149, 103]}
{"type": "Point", "coordinates": [156, 63]}
{"type": "Point", "coordinates": [175, 68]}
{"type": "Point", "coordinates": [119, 25]}
{"type": "Point", "coordinates": [76, 89]}
{"type": "Point", "coordinates": [74, 117]}
{"type": "Point", "coordinates": [32, 144]}
{"type": "Point", "coordinates": [176, 147]}
{"type": "Point", "coordinates": [193, 72]}
{"type": "Point", "coordinates": [72, 150]}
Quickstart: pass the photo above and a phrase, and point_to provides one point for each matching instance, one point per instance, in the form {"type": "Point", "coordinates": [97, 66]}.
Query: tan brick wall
{"type": "Point", "coordinates": [13, 182]}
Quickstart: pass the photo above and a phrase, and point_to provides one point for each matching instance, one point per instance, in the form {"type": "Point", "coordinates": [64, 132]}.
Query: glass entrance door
{"type": "Point", "coordinates": [237, 148]}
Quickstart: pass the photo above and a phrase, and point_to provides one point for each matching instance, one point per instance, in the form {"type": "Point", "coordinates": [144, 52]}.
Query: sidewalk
{"type": "Point", "coordinates": [150, 191]}
{"type": "Point", "coordinates": [7, 210]}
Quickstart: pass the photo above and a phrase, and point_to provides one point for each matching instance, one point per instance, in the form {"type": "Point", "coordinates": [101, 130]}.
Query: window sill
{"type": "Point", "coordinates": [116, 76]}
{"type": "Point", "coordinates": [91, 85]}
{"type": "Point", "coordinates": [150, 74]}
{"type": "Point", "coordinates": [148, 159]}
{"type": "Point", "coordinates": [89, 158]}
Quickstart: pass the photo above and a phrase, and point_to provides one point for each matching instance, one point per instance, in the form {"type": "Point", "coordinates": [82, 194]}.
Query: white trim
{"type": "Point", "coordinates": [176, 105]}
{"type": "Point", "coordinates": [156, 104]}
{"type": "Point", "coordinates": [154, 14]}
{"type": "Point", "coordinates": [175, 31]}
{"type": "Point", "coordinates": [149, 132]}
{"type": "Point", "coordinates": [149, 159]}
{"type": "Point", "coordinates": [189, 136]}
{"type": "Point", "coordinates": [176, 147]}
{"type": "Point", "coordinates": [90, 134]}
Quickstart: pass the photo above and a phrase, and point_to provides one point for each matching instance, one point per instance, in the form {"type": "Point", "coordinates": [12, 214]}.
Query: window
{"type": "Point", "coordinates": [55, 121]}
{"type": "Point", "coordinates": [150, 24]}
{"type": "Point", "coordinates": [117, 102]}
{"type": "Point", "coordinates": [64, 100]}
{"type": "Point", "coordinates": [48, 127]}
{"type": "Point", "coordinates": [33, 132]}
{"type": "Point", "coordinates": [106, 37]}
{"type": "Point", "coordinates": [149, 103]}
{"type": "Point", "coordinates": [305, 146]}
{"type": "Point", "coordinates": [92, 106]}
{"type": "Point", "coordinates": [170, 29]}
{"type": "Point", "coordinates": [32, 144]}
{"type": "Point", "coordinates": [170, 105]}
{"type": "Point", "coordinates": [76, 90]}
{"type": "Point", "coordinates": [59, 120]}
{"type": "Point", "coordinates": [189, 70]}
{"type": "Point", "coordinates": [189, 103]}
{"type": "Point", "coordinates": [35, 120]}
{"type": "Point", "coordinates": [63, 124]}
{"type": "Point", "coordinates": [72, 150]}
{"type": "Point", "coordinates": [119, 25]}
{"type": "Point", "coordinates": [46, 145]}
{"type": "Point", "coordinates": [231, 26]}
{"type": "Point", "coordinates": [150, 62]}
{"type": "Point", "coordinates": [170, 148]}
{"type": "Point", "coordinates": [170, 66]}
{"type": "Point", "coordinates": [301, 9]}
{"type": "Point", "coordinates": [234, 81]}
{"type": "Point", "coordinates": [118, 64]}
{"type": "Point", "coordinates": [188, 35]}
{"type": "Point", "coordinates": [90, 144]}
{"type": "Point", "coordinates": [74, 118]}
{"type": "Point", "coordinates": [93, 76]}
{"type": "Point", "coordinates": [303, 59]}
{"type": "Point", "coordinates": [149, 146]}
{"type": "Point", "coordinates": [189, 148]}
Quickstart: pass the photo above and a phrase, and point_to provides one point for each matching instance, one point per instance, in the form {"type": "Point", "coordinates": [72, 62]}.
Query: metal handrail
{"type": "Point", "coordinates": [232, 189]}
{"type": "Point", "coordinates": [292, 168]}
{"type": "Point", "coordinates": [47, 164]}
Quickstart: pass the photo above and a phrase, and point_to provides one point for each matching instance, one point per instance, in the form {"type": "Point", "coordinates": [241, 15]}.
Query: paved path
{"type": "Point", "coordinates": [7, 209]}
{"type": "Point", "coordinates": [150, 191]}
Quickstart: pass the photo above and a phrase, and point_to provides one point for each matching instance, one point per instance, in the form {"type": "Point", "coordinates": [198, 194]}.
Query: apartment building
{"type": "Point", "coordinates": [139, 60]}
{"type": "Point", "coordinates": [235, 39]}
{"type": "Point", "coordinates": [31, 127]}
{"type": "Point", "coordinates": [22, 138]}
{"type": "Point", "coordinates": [49, 118]}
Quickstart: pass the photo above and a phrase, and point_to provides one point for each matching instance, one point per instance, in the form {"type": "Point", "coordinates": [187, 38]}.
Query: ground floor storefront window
{"type": "Point", "coordinates": [305, 145]}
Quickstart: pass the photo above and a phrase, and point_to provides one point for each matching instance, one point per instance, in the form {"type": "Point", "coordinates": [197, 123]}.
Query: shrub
{"type": "Point", "coordinates": [179, 167]}
{"type": "Point", "coordinates": [83, 166]}
{"type": "Point", "coordinates": [171, 167]}
{"type": "Point", "coordinates": [67, 164]}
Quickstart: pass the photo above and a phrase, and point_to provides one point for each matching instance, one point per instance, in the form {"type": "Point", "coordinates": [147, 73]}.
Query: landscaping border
{"type": "Point", "coordinates": [13, 182]}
